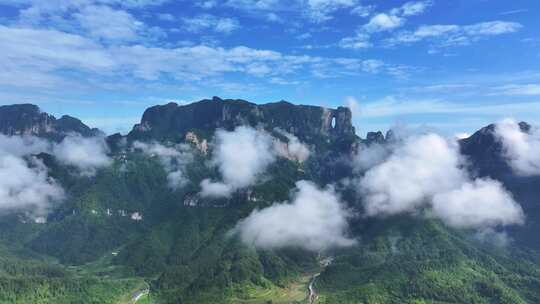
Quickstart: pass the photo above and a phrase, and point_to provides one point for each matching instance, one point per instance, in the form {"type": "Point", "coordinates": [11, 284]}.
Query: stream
{"type": "Point", "coordinates": [312, 294]}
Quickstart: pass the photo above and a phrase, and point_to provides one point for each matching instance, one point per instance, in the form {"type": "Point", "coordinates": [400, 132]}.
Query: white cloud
{"type": "Point", "coordinates": [413, 173]}
{"type": "Point", "coordinates": [492, 28]}
{"type": "Point", "coordinates": [522, 149]}
{"type": "Point", "coordinates": [480, 203]}
{"type": "Point", "coordinates": [315, 220]}
{"type": "Point", "coordinates": [24, 182]}
{"type": "Point", "coordinates": [368, 157]}
{"type": "Point", "coordinates": [314, 10]}
{"type": "Point", "coordinates": [363, 10]}
{"type": "Point", "coordinates": [360, 41]}
{"type": "Point", "coordinates": [292, 149]}
{"type": "Point", "coordinates": [321, 10]}
{"type": "Point", "coordinates": [38, 57]}
{"type": "Point", "coordinates": [86, 154]}
{"type": "Point", "coordinates": [391, 106]}
{"type": "Point", "coordinates": [518, 90]}
{"type": "Point", "coordinates": [451, 35]}
{"type": "Point", "coordinates": [241, 156]}
{"type": "Point", "coordinates": [215, 189]}
{"type": "Point", "coordinates": [383, 22]}
{"type": "Point", "coordinates": [103, 22]}
{"type": "Point", "coordinates": [414, 8]}
{"type": "Point", "coordinates": [174, 160]}
{"type": "Point", "coordinates": [49, 50]}
{"type": "Point", "coordinates": [425, 174]}
{"type": "Point", "coordinates": [462, 135]}
{"type": "Point", "coordinates": [206, 22]}
{"type": "Point", "coordinates": [207, 4]}
{"type": "Point", "coordinates": [22, 146]}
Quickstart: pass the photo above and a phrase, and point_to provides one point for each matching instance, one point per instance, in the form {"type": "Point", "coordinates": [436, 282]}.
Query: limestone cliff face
{"type": "Point", "coordinates": [311, 124]}
{"type": "Point", "coordinates": [27, 119]}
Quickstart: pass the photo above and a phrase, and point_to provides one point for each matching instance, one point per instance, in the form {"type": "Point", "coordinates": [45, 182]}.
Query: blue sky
{"type": "Point", "coordinates": [454, 66]}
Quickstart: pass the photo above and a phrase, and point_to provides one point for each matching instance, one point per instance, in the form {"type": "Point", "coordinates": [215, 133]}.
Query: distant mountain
{"type": "Point", "coordinates": [28, 119]}
{"type": "Point", "coordinates": [311, 124]}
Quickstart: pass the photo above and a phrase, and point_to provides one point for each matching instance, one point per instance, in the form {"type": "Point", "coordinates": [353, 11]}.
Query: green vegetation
{"type": "Point", "coordinates": [92, 251]}
{"type": "Point", "coordinates": [407, 261]}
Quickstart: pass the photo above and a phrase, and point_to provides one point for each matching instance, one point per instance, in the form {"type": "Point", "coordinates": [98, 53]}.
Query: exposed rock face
{"type": "Point", "coordinates": [201, 145]}
{"type": "Point", "coordinates": [485, 151]}
{"type": "Point", "coordinates": [375, 137]}
{"type": "Point", "coordinates": [310, 124]}
{"type": "Point", "coordinates": [27, 119]}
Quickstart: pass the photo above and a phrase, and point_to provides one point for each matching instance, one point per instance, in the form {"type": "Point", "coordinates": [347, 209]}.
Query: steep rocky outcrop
{"type": "Point", "coordinates": [27, 119]}
{"type": "Point", "coordinates": [312, 124]}
{"type": "Point", "coordinates": [484, 150]}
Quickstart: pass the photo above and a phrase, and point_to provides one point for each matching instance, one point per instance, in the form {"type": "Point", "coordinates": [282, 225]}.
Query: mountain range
{"type": "Point", "coordinates": [228, 201]}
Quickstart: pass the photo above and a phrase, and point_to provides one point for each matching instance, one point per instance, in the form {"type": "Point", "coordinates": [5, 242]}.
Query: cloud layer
{"type": "Point", "coordinates": [314, 220]}
{"type": "Point", "coordinates": [425, 174]}
{"type": "Point", "coordinates": [292, 149]}
{"type": "Point", "coordinates": [241, 156]}
{"type": "Point", "coordinates": [174, 160]}
{"type": "Point", "coordinates": [24, 182]}
{"type": "Point", "coordinates": [521, 149]}
{"type": "Point", "coordinates": [87, 155]}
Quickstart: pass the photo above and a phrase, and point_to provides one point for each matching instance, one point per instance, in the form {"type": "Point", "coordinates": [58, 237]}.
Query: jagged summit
{"type": "Point", "coordinates": [485, 150]}
{"type": "Point", "coordinates": [28, 119]}
{"type": "Point", "coordinates": [309, 123]}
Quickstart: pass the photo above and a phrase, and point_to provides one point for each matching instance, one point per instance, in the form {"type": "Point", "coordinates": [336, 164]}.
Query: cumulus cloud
{"type": "Point", "coordinates": [315, 220]}
{"type": "Point", "coordinates": [174, 160]}
{"type": "Point", "coordinates": [241, 156]}
{"type": "Point", "coordinates": [479, 203]}
{"type": "Point", "coordinates": [24, 181]}
{"type": "Point", "coordinates": [103, 22]}
{"type": "Point", "coordinates": [522, 149]}
{"type": "Point", "coordinates": [369, 156]}
{"type": "Point", "coordinates": [87, 155]}
{"type": "Point", "coordinates": [425, 174]}
{"type": "Point", "coordinates": [383, 22]}
{"type": "Point", "coordinates": [293, 148]}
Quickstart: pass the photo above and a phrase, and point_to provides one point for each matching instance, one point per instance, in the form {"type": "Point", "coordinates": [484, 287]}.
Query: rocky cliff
{"type": "Point", "coordinates": [27, 119]}
{"type": "Point", "coordinates": [484, 150]}
{"type": "Point", "coordinates": [311, 124]}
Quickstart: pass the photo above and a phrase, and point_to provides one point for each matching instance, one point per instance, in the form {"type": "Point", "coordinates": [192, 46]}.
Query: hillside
{"type": "Point", "coordinates": [174, 208]}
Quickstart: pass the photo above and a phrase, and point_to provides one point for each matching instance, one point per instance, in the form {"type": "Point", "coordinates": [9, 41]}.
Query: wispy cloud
{"type": "Point", "coordinates": [453, 35]}
{"type": "Point", "coordinates": [517, 90]}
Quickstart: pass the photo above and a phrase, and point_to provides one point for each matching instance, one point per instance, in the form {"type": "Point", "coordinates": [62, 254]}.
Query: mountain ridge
{"type": "Point", "coordinates": [28, 119]}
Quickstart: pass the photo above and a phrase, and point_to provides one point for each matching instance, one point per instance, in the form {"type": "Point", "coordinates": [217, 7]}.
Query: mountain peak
{"type": "Point", "coordinates": [310, 123]}
{"type": "Point", "coordinates": [28, 119]}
